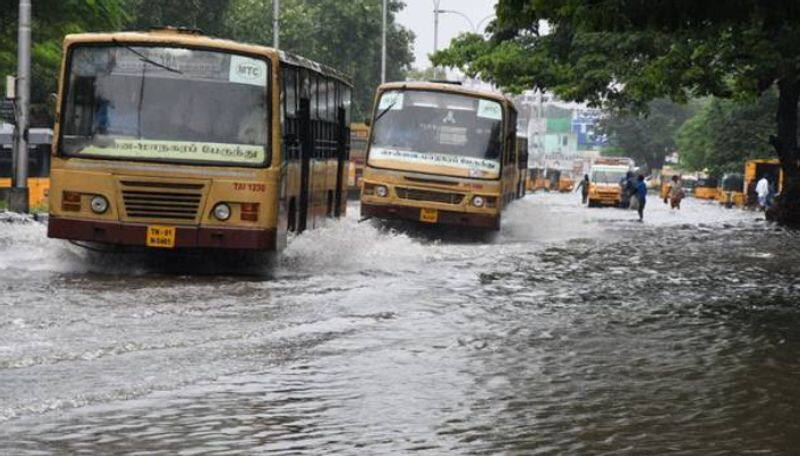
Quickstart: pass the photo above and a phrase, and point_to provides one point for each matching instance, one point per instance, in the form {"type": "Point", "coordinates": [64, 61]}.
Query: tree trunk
{"type": "Point", "coordinates": [787, 211]}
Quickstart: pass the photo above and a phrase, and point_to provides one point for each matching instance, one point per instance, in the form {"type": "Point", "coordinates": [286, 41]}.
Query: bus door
{"type": "Point", "coordinates": [306, 144]}
{"type": "Point", "coordinates": [343, 136]}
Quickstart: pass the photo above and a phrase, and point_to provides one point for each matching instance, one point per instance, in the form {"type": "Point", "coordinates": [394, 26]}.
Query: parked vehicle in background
{"type": "Point", "coordinates": [706, 188]}
{"type": "Point", "coordinates": [754, 170]}
{"type": "Point", "coordinates": [40, 142]}
{"type": "Point", "coordinates": [441, 154]}
{"type": "Point", "coordinates": [605, 177]}
{"type": "Point", "coordinates": [169, 139]}
{"type": "Point", "coordinates": [565, 182]}
{"type": "Point", "coordinates": [689, 184]}
{"type": "Point", "coordinates": [359, 137]}
{"type": "Point", "coordinates": [731, 190]}
{"type": "Point", "coordinates": [538, 180]}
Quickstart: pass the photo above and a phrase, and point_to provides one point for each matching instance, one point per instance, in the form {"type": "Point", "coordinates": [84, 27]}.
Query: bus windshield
{"type": "Point", "coordinates": [608, 175]}
{"type": "Point", "coordinates": [437, 132]}
{"type": "Point", "coordinates": [166, 104]}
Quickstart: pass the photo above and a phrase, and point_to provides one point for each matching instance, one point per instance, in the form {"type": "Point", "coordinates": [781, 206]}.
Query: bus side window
{"type": "Point", "coordinates": [323, 99]}
{"type": "Point", "coordinates": [331, 101]}
{"type": "Point", "coordinates": [511, 137]}
{"type": "Point", "coordinates": [314, 88]}
{"type": "Point", "coordinates": [290, 89]}
{"type": "Point", "coordinates": [346, 101]}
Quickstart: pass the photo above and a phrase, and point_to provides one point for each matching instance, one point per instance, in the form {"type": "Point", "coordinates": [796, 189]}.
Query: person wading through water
{"type": "Point", "coordinates": [676, 193]}
{"type": "Point", "coordinates": [583, 186]}
{"type": "Point", "coordinates": [640, 190]}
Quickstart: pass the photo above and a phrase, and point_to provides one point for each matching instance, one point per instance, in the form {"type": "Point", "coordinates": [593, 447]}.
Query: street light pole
{"type": "Point", "coordinates": [18, 201]}
{"type": "Point", "coordinates": [276, 24]}
{"type": "Point", "coordinates": [383, 45]}
{"type": "Point", "coordinates": [462, 15]}
{"type": "Point", "coordinates": [435, 30]}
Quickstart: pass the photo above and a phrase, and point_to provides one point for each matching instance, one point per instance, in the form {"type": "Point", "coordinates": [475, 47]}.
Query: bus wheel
{"type": "Point", "coordinates": [496, 224]}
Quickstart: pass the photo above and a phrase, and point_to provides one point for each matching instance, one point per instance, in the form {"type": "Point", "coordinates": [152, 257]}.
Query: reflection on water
{"type": "Point", "coordinates": [571, 331]}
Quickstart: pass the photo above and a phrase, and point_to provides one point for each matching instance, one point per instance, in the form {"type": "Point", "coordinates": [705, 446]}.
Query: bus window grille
{"type": "Point", "coordinates": [162, 201]}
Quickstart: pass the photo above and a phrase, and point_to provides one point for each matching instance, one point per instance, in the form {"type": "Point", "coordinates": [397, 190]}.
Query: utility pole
{"type": "Point", "coordinates": [435, 30]}
{"type": "Point", "coordinates": [276, 24]}
{"type": "Point", "coordinates": [383, 45]}
{"type": "Point", "coordinates": [18, 201]}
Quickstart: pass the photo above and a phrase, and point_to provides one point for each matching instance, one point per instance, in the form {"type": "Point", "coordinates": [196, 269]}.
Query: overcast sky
{"type": "Point", "coordinates": [418, 16]}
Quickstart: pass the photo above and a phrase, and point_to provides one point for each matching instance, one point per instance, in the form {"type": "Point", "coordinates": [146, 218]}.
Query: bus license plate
{"type": "Point", "coordinates": [161, 236]}
{"type": "Point", "coordinates": [429, 215]}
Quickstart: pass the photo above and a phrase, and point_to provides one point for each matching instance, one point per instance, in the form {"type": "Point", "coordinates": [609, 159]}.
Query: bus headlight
{"type": "Point", "coordinates": [381, 191]}
{"type": "Point", "coordinates": [478, 201]}
{"type": "Point", "coordinates": [222, 212]}
{"type": "Point", "coordinates": [99, 204]}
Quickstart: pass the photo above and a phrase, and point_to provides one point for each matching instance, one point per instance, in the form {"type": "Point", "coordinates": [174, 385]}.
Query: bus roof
{"type": "Point", "coordinates": [172, 36]}
{"type": "Point", "coordinates": [447, 87]}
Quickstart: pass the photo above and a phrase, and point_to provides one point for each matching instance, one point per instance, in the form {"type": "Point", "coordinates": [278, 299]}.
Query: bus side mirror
{"type": "Point", "coordinates": [368, 122]}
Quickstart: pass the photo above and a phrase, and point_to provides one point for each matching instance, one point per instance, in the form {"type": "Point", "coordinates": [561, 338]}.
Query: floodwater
{"type": "Point", "coordinates": [572, 331]}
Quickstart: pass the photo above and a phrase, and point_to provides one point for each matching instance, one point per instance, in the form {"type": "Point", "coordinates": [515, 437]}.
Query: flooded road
{"type": "Point", "coordinates": [572, 331]}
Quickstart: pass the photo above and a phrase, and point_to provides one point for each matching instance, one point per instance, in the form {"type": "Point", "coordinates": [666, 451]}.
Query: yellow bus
{"type": "Point", "coordinates": [170, 139]}
{"type": "Point", "coordinates": [39, 148]}
{"type": "Point", "coordinates": [359, 135]}
{"type": "Point", "coordinates": [440, 153]}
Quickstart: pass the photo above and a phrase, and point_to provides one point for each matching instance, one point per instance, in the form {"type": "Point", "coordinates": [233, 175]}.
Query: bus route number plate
{"type": "Point", "coordinates": [429, 215]}
{"type": "Point", "coordinates": [161, 236]}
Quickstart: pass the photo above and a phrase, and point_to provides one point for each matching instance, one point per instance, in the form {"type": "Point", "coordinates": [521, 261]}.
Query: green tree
{"type": "Point", "coordinates": [725, 133]}
{"type": "Point", "coordinates": [624, 53]}
{"type": "Point", "coordinates": [345, 35]}
{"type": "Point", "coordinates": [52, 19]}
{"type": "Point", "coordinates": [209, 16]}
{"type": "Point", "coordinates": [646, 138]}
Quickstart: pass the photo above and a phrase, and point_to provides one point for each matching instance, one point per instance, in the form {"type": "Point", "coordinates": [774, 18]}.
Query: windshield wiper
{"type": "Point", "coordinates": [147, 59]}
{"type": "Point", "coordinates": [382, 113]}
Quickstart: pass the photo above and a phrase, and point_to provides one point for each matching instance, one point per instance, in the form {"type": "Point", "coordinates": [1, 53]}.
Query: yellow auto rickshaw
{"type": "Point", "coordinates": [754, 170]}
{"type": "Point", "coordinates": [706, 188]}
{"type": "Point", "coordinates": [731, 190]}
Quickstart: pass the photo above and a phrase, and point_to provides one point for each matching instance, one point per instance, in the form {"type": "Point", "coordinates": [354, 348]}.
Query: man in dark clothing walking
{"type": "Point", "coordinates": [583, 186]}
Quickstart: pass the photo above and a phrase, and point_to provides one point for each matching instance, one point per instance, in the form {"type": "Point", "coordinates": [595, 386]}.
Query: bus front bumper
{"type": "Point", "coordinates": [390, 211]}
{"type": "Point", "coordinates": [186, 237]}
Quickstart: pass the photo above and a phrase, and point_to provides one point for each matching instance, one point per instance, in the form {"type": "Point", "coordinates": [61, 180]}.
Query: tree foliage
{"type": "Point", "coordinates": [52, 19]}
{"type": "Point", "coordinates": [725, 133]}
{"type": "Point", "coordinates": [624, 53]}
{"type": "Point", "coordinates": [646, 138]}
{"type": "Point", "coordinates": [345, 35]}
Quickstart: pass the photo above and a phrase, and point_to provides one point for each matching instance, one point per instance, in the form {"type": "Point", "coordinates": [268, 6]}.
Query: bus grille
{"type": "Point", "coordinates": [426, 195]}
{"type": "Point", "coordinates": [162, 200]}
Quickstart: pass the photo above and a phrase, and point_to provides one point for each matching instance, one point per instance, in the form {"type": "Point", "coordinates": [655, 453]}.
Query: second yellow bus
{"type": "Point", "coordinates": [441, 154]}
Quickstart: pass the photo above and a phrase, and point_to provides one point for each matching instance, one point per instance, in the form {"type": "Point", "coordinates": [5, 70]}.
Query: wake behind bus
{"type": "Point", "coordinates": [441, 154]}
{"type": "Point", "coordinates": [172, 140]}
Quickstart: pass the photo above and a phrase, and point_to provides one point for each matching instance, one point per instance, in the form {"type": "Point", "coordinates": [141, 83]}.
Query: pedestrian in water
{"type": "Point", "coordinates": [772, 191]}
{"type": "Point", "coordinates": [676, 193]}
{"type": "Point", "coordinates": [762, 191]}
{"type": "Point", "coordinates": [584, 188]}
{"type": "Point", "coordinates": [641, 195]}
